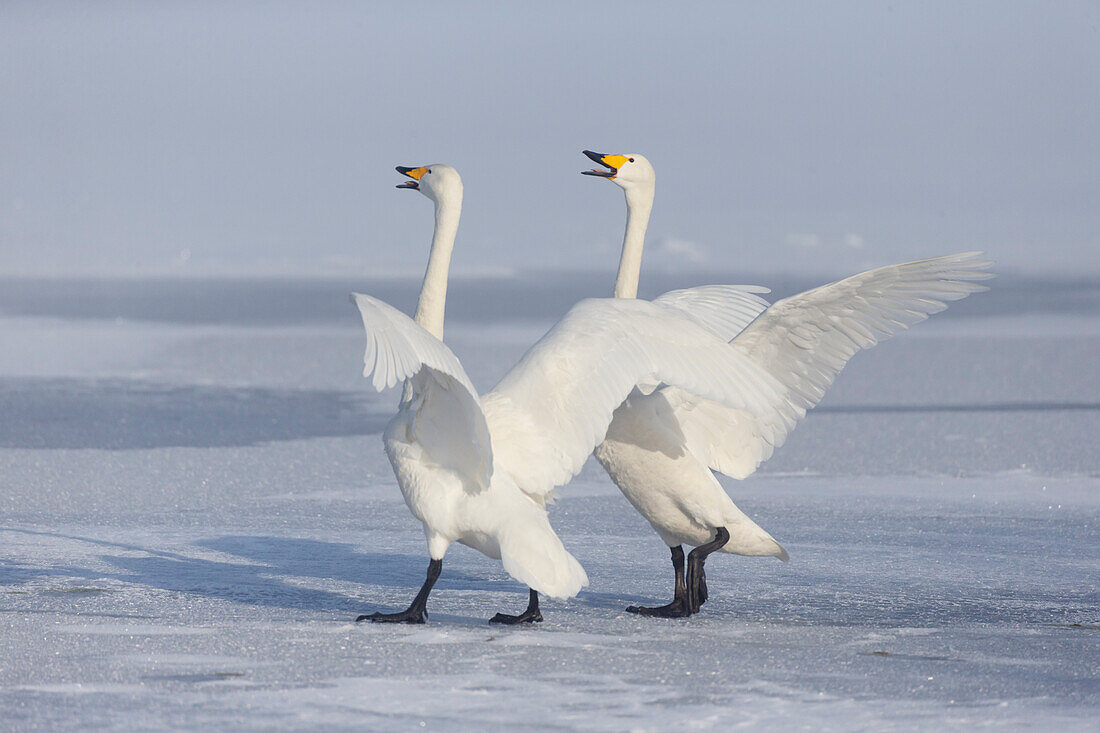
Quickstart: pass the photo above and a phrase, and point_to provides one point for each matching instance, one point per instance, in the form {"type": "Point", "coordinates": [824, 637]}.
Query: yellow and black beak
{"type": "Point", "coordinates": [611, 162]}
{"type": "Point", "coordinates": [413, 173]}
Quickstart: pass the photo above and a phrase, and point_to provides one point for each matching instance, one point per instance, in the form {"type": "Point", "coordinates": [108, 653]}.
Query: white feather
{"type": "Point", "coordinates": [555, 405]}
{"type": "Point", "coordinates": [723, 309]}
{"type": "Point", "coordinates": [661, 444]}
{"type": "Point", "coordinates": [479, 470]}
{"type": "Point", "coordinates": [803, 342]}
{"type": "Point", "coordinates": [454, 432]}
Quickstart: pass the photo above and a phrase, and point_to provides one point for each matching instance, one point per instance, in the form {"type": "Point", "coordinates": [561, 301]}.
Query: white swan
{"type": "Point", "coordinates": [661, 448]}
{"type": "Point", "coordinates": [479, 470]}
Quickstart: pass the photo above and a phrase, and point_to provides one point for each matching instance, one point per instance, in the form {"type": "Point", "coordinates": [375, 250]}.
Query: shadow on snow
{"type": "Point", "coordinates": [277, 572]}
{"type": "Point", "coordinates": [120, 414]}
{"type": "Point", "coordinates": [271, 574]}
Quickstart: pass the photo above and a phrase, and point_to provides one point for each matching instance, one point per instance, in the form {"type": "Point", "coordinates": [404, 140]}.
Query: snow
{"type": "Point", "coordinates": [195, 508]}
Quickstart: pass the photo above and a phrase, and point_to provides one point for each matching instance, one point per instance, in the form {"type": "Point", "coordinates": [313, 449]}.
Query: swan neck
{"type": "Point", "coordinates": [432, 305]}
{"type": "Point", "coordinates": [639, 204]}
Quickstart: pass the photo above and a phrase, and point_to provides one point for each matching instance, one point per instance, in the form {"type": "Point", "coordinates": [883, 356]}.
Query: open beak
{"type": "Point", "coordinates": [611, 162]}
{"type": "Point", "coordinates": [413, 173]}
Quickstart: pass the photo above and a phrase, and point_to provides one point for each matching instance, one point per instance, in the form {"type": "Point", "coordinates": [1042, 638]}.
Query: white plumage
{"type": "Point", "coordinates": [805, 340]}
{"type": "Point", "coordinates": [478, 470]}
{"type": "Point", "coordinates": [555, 405]}
{"type": "Point", "coordinates": [660, 448]}
{"type": "Point", "coordinates": [658, 444]}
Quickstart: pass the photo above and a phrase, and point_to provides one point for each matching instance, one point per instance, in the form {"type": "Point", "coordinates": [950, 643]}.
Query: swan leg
{"type": "Point", "coordinates": [679, 607]}
{"type": "Point", "coordinates": [418, 609]}
{"type": "Point", "coordinates": [531, 615]}
{"type": "Point", "coordinates": [696, 575]}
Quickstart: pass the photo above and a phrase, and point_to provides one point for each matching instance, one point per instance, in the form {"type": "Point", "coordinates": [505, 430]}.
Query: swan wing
{"type": "Point", "coordinates": [723, 309]}
{"type": "Point", "coordinates": [727, 440]}
{"type": "Point", "coordinates": [805, 340]}
{"type": "Point", "coordinates": [555, 405]}
{"type": "Point", "coordinates": [449, 421]}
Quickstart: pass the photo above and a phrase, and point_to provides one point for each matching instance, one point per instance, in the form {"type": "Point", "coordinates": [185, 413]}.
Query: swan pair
{"type": "Point", "coordinates": [662, 392]}
{"type": "Point", "coordinates": [479, 470]}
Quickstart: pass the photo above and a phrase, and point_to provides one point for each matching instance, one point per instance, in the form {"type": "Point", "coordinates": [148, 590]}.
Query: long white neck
{"type": "Point", "coordinates": [432, 305]}
{"type": "Point", "coordinates": [639, 204]}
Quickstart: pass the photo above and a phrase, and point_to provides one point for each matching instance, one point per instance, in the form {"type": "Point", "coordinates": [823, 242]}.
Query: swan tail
{"type": "Point", "coordinates": [762, 546]}
{"type": "Point", "coordinates": [749, 538]}
{"type": "Point", "coordinates": [534, 555]}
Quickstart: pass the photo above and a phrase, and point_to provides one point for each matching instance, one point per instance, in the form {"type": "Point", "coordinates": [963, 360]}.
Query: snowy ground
{"type": "Point", "coordinates": [195, 504]}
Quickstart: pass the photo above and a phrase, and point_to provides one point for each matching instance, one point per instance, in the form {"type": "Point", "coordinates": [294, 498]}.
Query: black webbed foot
{"type": "Point", "coordinates": [676, 609]}
{"type": "Point", "coordinates": [408, 616]}
{"type": "Point", "coordinates": [417, 611]}
{"type": "Point", "coordinates": [527, 617]}
{"type": "Point", "coordinates": [530, 616]}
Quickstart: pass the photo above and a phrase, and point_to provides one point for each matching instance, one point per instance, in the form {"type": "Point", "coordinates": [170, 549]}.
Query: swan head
{"type": "Point", "coordinates": [630, 172]}
{"type": "Point", "coordinates": [441, 183]}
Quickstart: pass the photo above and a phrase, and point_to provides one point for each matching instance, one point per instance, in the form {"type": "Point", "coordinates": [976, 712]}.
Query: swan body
{"type": "Point", "coordinates": [499, 521]}
{"type": "Point", "coordinates": [661, 449]}
{"type": "Point", "coordinates": [479, 470]}
{"type": "Point", "coordinates": [646, 455]}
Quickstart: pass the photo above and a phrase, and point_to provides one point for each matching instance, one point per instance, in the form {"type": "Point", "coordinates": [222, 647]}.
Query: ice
{"type": "Point", "coordinates": [195, 508]}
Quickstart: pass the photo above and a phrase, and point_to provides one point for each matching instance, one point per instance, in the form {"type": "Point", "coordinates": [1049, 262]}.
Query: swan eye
{"type": "Point", "coordinates": [429, 170]}
{"type": "Point", "coordinates": [630, 159]}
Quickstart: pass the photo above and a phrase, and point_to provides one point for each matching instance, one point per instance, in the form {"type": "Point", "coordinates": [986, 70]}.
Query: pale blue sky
{"type": "Point", "coordinates": [144, 138]}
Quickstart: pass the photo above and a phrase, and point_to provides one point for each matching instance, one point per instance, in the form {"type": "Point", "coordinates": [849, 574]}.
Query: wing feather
{"type": "Point", "coordinates": [805, 340]}
{"type": "Point", "coordinates": [453, 428]}
{"type": "Point", "coordinates": [556, 403]}
{"type": "Point", "coordinates": [723, 309]}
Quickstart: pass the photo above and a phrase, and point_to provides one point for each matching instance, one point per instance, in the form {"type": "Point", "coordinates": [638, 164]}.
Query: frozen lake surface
{"type": "Point", "coordinates": [195, 504]}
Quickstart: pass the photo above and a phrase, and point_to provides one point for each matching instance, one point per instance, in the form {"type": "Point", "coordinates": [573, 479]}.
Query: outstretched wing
{"type": "Point", "coordinates": [722, 309]}
{"type": "Point", "coordinates": [805, 340]}
{"type": "Point", "coordinates": [555, 405]}
{"type": "Point", "coordinates": [449, 418]}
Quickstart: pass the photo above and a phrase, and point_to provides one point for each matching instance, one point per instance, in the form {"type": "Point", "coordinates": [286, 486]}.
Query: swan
{"type": "Point", "coordinates": [662, 448]}
{"type": "Point", "coordinates": [479, 470]}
